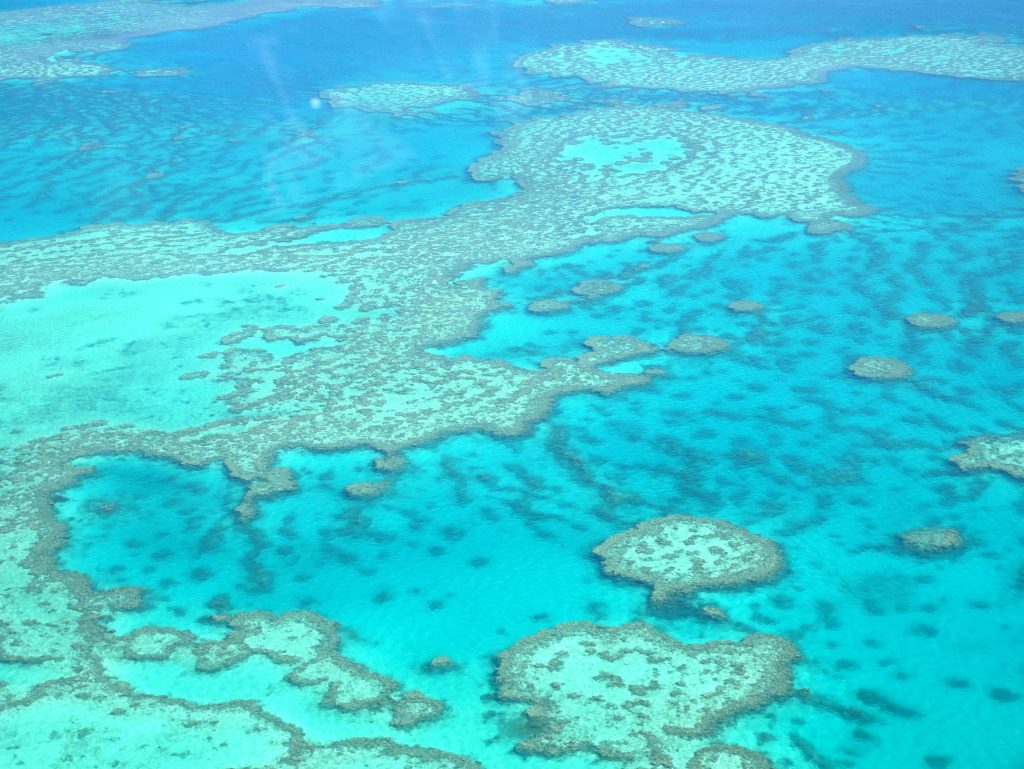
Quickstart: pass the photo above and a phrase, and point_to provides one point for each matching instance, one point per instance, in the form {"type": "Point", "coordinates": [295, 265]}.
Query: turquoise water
{"type": "Point", "coordinates": [484, 537]}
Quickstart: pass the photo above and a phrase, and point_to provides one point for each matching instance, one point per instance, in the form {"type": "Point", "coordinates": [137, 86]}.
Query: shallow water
{"type": "Point", "coordinates": [485, 537]}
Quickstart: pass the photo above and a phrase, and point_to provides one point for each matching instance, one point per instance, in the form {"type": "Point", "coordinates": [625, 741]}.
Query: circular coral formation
{"type": "Point", "coordinates": [697, 344]}
{"type": "Point", "coordinates": [547, 306]}
{"type": "Point", "coordinates": [746, 306]}
{"type": "Point", "coordinates": [679, 554]}
{"type": "Point", "coordinates": [872, 367]}
{"type": "Point", "coordinates": [595, 289]}
{"type": "Point", "coordinates": [1011, 317]}
{"type": "Point", "coordinates": [932, 541]}
{"type": "Point", "coordinates": [617, 691]}
{"type": "Point", "coordinates": [931, 320]}
{"type": "Point", "coordinates": [719, 756]}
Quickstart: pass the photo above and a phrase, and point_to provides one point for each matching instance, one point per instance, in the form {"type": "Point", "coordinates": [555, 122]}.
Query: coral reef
{"type": "Point", "coordinates": [308, 648]}
{"type": "Point", "coordinates": [745, 306]}
{"type": "Point", "coordinates": [931, 541]}
{"type": "Point", "coordinates": [377, 754]}
{"type": "Point", "coordinates": [931, 320]}
{"type": "Point", "coordinates": [547, 306]}
{"type": "Point", "coordinates": [709, 238]}
{"type": "Point", "coordinates": [568, 167]}
{"type": "Point", "coordinates": [873, 367]}
{"type": "Point", "coordinates": [1011, 317]}
{"type": "Point", "coordinates": [651, 22]}
{"type": "Point", "coordinates": [994, 452]}
{"type": "Point", "coordinates": [632, 65]}
{"type": "Point", "coordinates": [440, 664]}
{"type": "Point", "coordinates": [96, 724]}
{"type": "Point", "coordinates": [697, 344]}
{"type": "Point", "coordinates": [613, 349]}
{"type": "Point", "coordinates": [680, 554]}
{"type": "Point", "coordinates": [719, 756]}
{"type": "Point", "coordinates": [365, 489]}
{"type": "Point", "coordinates": [595, 289]}
{"type": "Point", "coordinates": [622, 692]}
{"type": "Point", "coordinates": [390, 463]}
{"type": "Point", "coordinates": [716, 613]}
{"type": "Point", "coordinates": [53, 41]}
{"type": "Point", "coordinates": [414, 708]}
{"type": "Point", "coordinates": [93, 724]}
{"type": "Point", "coordinates": [666, 248]}
{"type": "Point", "coordinates": [368, 381]}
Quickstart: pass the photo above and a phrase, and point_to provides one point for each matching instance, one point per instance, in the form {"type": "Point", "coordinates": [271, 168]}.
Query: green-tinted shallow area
{"type": "Point", "coordinates": [118, 350]}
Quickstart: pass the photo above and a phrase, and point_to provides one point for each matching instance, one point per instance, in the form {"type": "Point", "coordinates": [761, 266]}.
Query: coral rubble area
{"type": "Point", "coordinates": [246, 348]}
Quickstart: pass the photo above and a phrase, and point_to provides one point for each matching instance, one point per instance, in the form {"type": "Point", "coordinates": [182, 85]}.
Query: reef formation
{"type": "Point", "coordinates": [698, 344]}
{"type": "Point", "coordinates": [746, 306]}
{"type": "Point", "coordinates": [575, 172]}
{"type": "Point", "coordinates": [931, 320]}
{"type": "Point", "coordinates": [993, 452]}
{"type": "Point", "coordinates": [359, 376]}
{"type": "Point", "coordinates": [932, 541]}
{"type": "Point", "coordinates": [680, 554]}
{"type": "Point", "coordinates": [55, 41]}
{"type": "Point", "coordinates": [631, 692]}
{"type": "Point", "coordinates": [881, 368]}
{"type": "Point", "coordinates": [633, 65]}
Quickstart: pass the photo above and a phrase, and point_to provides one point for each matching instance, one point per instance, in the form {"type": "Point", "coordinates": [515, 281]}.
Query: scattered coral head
{"type": "Point", "coordinates": [872, 367]}
{"type": "Point", "coordinates": [932, 541]}
{"type": "Point", "coordinates": [932, 320]}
